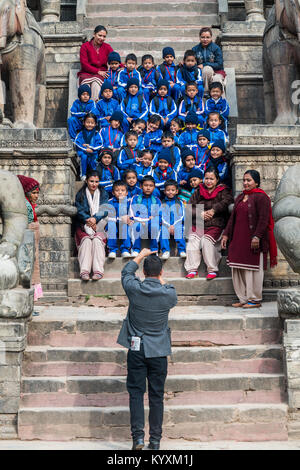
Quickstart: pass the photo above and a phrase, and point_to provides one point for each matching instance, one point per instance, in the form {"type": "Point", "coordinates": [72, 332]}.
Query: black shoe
{"type": "Point", "coordinates": [154, 445]}
{"type": "Point", "coordinates": [138, 444]}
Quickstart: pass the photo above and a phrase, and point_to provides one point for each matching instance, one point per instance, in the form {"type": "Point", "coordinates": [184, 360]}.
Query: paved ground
{"type": "Point", "coordinates": [166, 445]}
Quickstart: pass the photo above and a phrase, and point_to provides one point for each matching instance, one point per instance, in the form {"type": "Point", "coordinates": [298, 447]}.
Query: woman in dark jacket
{"type": "Point", "coordinates": [212, 200]}
{"type": "Point", "coordinates": [250, 236]}
{"type": "Point", "coordinates": [91, 219]}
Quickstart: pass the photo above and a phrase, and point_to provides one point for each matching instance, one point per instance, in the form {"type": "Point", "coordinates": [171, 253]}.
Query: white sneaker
{"type": "Point", "coordinates": [183, 254]}
{"type": "Point", "coordinates": [125, 254]}
{"type": "Point", "coordinates": [112, 255]}
{"type": "Point", "coordinates": [166, 255]}
{"type": "Point", "coordinates": [134, 254]}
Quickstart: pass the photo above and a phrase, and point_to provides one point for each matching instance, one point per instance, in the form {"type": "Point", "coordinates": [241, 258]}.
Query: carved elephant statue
{"type": "Point", "coordinates": [22, 64]}
{"type": "Point", "coordinates": [281, 62]}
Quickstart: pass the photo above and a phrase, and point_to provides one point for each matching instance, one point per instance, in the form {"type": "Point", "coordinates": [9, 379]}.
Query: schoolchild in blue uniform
{"type": "Point", "coordinates": [128, 155]}
{"type": "Point", "coordinates": [163, 105]}
{"type": "Point", "coordinates": [108, 172]}
{"type": "Point", "coordinates": [195, 177]}
{"type": "Point", "coordinates": [189, 72]}
{"type": "Point", "coordinates": [172, 220]}
{"type": "Point", "coordinates": [133, 186]}
{"type": "Point", "coordinates": [144, 167]}
{"type": "Point", "coordinates": [139, 126]}
{"type": "Point", "coordinates": [106, 104]}
{"type": "Point", "coordinates": [111, 136]}
{"type": "Point", "coordinates": [168, 71]}
{"type": "Point", "coordinates": [190, 101]}
{"type": "Point", "coordinates": [216, 103]}
{"type": "Point", "coordinates": [218, 160]}
{"type": "Point", "coordinates": [118, 221]}
{"type": "Point", "coordinates": [176, 127]}
{"type": "Point", "coordinates": [114, 67]}
{"type": "Point", "coordinates": [215, 126]}
{"type": "Point", "coordinates": [88, 144]}
{"type": "Point", "coordinates": [189, 136]}
{"type": "Point", "coordinates": [202, 149]}
{"type": "Point", "coordinates": [188, 164]}
{"type": "Point", "coordinates": [150, 76]}
{"type": "Point", "coordinates": [80, 108]}
{"type": "Point", "coordinates": [126, 74]}
{"type": "Point", "coordinates": [167, 141]}
{"type": "Point", "coordinates": [133, 106]}
{"type": "Point", "coordinates": [152, 138]}
{"type": "Point", "coordinates": [145, 210]}
{"type": "Point", "coordinates": [163, 170]}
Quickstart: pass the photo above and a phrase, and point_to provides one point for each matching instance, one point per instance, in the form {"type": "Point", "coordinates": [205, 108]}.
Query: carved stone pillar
{"type": "Point", "coordinates": [255, 10]}
{"type": "Point", "coordinates": [50, 11]}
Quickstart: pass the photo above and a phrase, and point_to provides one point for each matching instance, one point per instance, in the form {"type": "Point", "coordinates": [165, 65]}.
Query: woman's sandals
{"type": "Point", "coordinates": [247, 305]}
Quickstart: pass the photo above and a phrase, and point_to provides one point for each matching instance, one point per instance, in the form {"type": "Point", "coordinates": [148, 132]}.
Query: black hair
{"type": "Point", "coordinates": [126, 172]}
{"type": "Point", "coordinates": [147, 151]}
{"type": "Point", "coordinates": [152, 266]}
{"type": "Point", "coordinates": [154, 119]}
{"type": "Point", "coordinates": [167, 135]}
{"type": "Point", "coordinates": [205, 29]}
{"type": "Point", "coordinates": [100, 28]}
{"type": "Point", "coordinates": [215, 171]}
{"type": "Point", "coordinates": [146, 57]}
{"type": "Point", "coordinates": [118, 183]}
{"type": "Point", "coordinates": [139, 121]}
{"type": "Point", "coordinates": [222, 125]}
{"type": "Point", "coordinates": [131, 57]}
{"type": "Point", "coordinates": [178, 121]}
{"type": "Point", "coordinates": [189, 53]}
{"type": "Point", "coordinates": [254, 175]}
{"type": "Point", "coordinates": [129, 133]}
{"type": "Point", "coordinates": [216, 85]}
{"type": "Point", "coordinates": [190, 84]}
{"type": "Point", "coordinates": [89, 174]}
{"type": "Point", "coordinates": [90, 115]}
{"type": "Point", "coordinates": [171, 182]}
{"type": "Point", "coordinates": [148, 178]}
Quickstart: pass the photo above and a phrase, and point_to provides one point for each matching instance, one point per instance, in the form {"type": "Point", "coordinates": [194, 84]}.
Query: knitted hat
{"type": "Point", "coordinates": [165, 154]}
{"type": "Point", "coordinates": [117, 116]}
{"type": "Point", "coordinates": [163, 83]}
{"type": "Point", "coordinates": [133, 81]}
{"type": "Point", "coordinates": [220, 144]}
{"type": "Point", "coordinates": [103, 151]}
{"type": "Point", "coordinates": [192, 118]}
{"type": "Point", "coordinates": [29, 184]}
{"type": "Point", "coordinates": [195, 173]}
{"type": "Point", "coordinates": [113, 57]}
{"type": "Point", "coordinates": [84, 88]}
{"type": "Point", "coordinates": [106, 86]}
{"type": "Point", "coordinates": [204, 133]}
{"type": "Point", "coordinates": [186, 152]}
{"type": "Point", "coordinates": [168, 51]}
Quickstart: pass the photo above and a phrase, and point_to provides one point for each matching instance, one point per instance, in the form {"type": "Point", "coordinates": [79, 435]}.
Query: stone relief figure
{"type": "Point", "coordinates": [22, 64]}
{"type": "Point", "coordinates": [281, 61]}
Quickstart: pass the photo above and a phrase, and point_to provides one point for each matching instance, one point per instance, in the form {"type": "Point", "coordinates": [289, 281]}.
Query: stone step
{"type": "Point", "coordinates": [42, 361]}
{"type": "Point", "coordinates": [103, 3]}
{"type": "Point", "coordinates": [160, 19]}
{"type": "Point", "coordinates": [147, 31]}
{"type": "Point", "coordinates": [191, 326]}
{"type": "Point", "coordinates": [133, 9]}
{"type": "Point", "coordinates": [148, 46]}
{"type": "Point", "coordinates": [238, 422]}
{"type": "Point", "coordinates": [109, 391]}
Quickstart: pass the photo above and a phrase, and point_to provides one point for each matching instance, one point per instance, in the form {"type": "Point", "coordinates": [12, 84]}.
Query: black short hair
{"type": "Point", "coordinates": [147, 151]}
{"type": "Point", "coordinates": [254, 175]}
{"type": "Point", "coordinates": [167, 135]}
{"type": "Point", "coordinates": [131, 57]}
{"type": "Point", "coordinates": [154, 118]}
{"type": "Point", "coordinates": [191, 84]}
{"type": "Point", "coordinates": [216, 85]}
{"type": "Point", "coordinates": [146, 57]}
{"type": "Point", "coordinates": [171, 182]}
{"type": "Point", "coordinates": [90, 115]}
{"type": "Point", "coordinates": [189, 53]}
{"type": "Point", "coordinates": [215, 171]}
{"type": "Point", "coordinates": [129, 133]}
{"type": "Point", "coordinates": [119, 183]}
{"type": "Point", "coordinates": [100, 28]}
{"type": "Point", "coordinates": [148, 178]}
{"type": "Point", "coordinates": [178, 121]}
{"type": "Point", "coordinates": [139, 121]}
{"type": "Point", "coordinates": [126, 172]}
{"type": "Point", "coordinates": [152, 266]}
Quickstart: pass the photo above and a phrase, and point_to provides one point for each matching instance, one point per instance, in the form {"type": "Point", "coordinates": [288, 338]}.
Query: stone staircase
{"type": "Point", "coordinates": [225, 377]}
{"type": "Point", "coordinates": [147, 27]}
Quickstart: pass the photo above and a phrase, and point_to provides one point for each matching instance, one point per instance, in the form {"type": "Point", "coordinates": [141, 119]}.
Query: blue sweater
{"type": "Point", "coordinates": [110, 138]}
{"type": "Point", "coordinates": [105, 108]}
{"type": "Point", "coordinates": [80, 109]}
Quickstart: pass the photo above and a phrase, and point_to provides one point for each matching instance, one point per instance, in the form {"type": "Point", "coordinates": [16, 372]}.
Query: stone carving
{"type": "Point", "coordinates": [22, 60]}
{"type": "Point", "coordinates": [50, 11]}
{"type": "Point", "coordinates": [255, 10]}
{"type": "Point", "coordinates": [281, 61]}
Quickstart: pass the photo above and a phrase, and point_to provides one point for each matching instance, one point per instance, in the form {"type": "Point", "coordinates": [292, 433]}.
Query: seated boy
{"type": "Point", "coordinates": [163, 105]}
{"type": "Point", "coordinates": [108, 172]}
{"type": "Point", "coordinates": [172, 220]}
{"type": "Point", "coordinates": [163, 170]}
{"type": "Point", "coordinates": [189, 72]}
{"type": "Point", "coordinates": [189, 136]}
{"type": "Point", "coordinates": [144, 167]}
{"type": "Point", "coordinates": [129, 155]}
{"type": "Point", "coordinates": [114, 64]}
{"type": "Point", "coordinates": [106, 104]}
{"type": "Point", "coordinates": [188, 164]}
{"type": "Point", "coordinates": [215, 125]}
{"type": "Point", "coordinates": [201, 150]}
{"type": "Point", "coordinates": [152, 138]}
{"type": "Point", "coordinates": [111, 136]}
{"type": "Point", "coordinates": [133, 106]}
{"type": "Point", "coordinates": [167, 141]}
{"type": "Point", "coordinates": [118, 221]}
{"type": "Point", "coordinates": [216, 103]}
{"type": "Point", "coordinates": [126, 74]}
{"type": "Point", "coordinates": [80, 108]}
{"type": "Point", "coordinates": [150, 77]}
{"type": "Point", "coordinates": [145, 210]}
{"type": "Point", "coordinates": [168, 71]}
{"type": "Point", "coordinates": [218, 160]}
{"type": "Point", "coordinates": [190, 101]}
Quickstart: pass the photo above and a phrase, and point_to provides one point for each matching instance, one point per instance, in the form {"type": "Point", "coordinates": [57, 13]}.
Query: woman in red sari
{"type": "Point", "coordinates": [250, 235]}
{"type": "Point", "coordinates": [211, 199]}
{"type": "Point", "coordinates": [93, 58]}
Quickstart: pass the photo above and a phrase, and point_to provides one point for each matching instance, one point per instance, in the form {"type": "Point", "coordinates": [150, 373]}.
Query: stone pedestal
{"type": "Point", "coordinates": [47, 155]}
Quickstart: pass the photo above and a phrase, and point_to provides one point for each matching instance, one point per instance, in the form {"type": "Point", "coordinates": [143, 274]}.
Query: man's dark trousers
{"type": "Point", "coordinates": [155, 370]}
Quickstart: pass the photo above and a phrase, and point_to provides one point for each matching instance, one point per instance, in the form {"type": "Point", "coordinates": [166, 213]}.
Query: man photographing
{"type": "Point", "coordinates": [146, 334]}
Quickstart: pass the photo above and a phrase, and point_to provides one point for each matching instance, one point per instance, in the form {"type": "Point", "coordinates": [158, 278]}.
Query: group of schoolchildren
{"type": "Point", "coordinates": [151, 137]}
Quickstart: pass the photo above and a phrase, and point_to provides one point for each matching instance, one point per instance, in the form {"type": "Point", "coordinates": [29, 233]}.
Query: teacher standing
{"type": "Point", "coordinates": [93, 59]}
{"type": "Point", "coordinates": [146, 334]}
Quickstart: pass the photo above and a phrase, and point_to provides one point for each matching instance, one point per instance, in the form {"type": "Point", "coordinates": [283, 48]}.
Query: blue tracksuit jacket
{"type": "Point", "coordinates": [160, 177]}
{"type": "Point", "coordinates": [142, 170]}
{"type": "Point", "coordinates": [186, 105]}
{"type": "Point", "coordinates": [108, 175]}
{"type": "Point", "coordinates": [217, 134]}
{"type": "Point", "coordinates": [132, 108]}
{"type": "Point", "coordinates": [175, 151]}
{"type": "Point", "coordinates": [105, 108]}
{"type": "Point", "coordinates": [183, 175]}
{"type": "Point", "coordinates": [110, 138]}
{"type": "Point", "coordinates": [123, 77]}
{"type": "Point", "coordinates": [127, 159]}
{"type": "Point", "coordinates": [152, 140]}
{"type": "Point", "coordinates": [163, 109]}
{"type": "Point", "coordinates": [134, 191]}
{"type": "Point", "coordinates": [78, 111]}
{"type": "Point", "coordinates": [201, 155]}
{"type": "Point", "coordinates": [222, 167]}
{"type": "Point", "coordinates": [87, 160]}
{"type": "Point", "coordinates": [140, 144]}
{"type": "Point", "coordinates": [141, 208]}
{"type": "Point", "coordinates": [172, 214]}
{"type": "Point", "coordinates": [188, 138]}
{"type": "Point", "coordinates": [115, 228]}
{"type": "Point", "coordinates": [220, 106]}
{"type": "Point", "coordinates": [185, 75]}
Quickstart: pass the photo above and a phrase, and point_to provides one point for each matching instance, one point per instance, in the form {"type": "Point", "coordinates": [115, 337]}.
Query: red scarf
{"type": "Point", "coordinates": [206, 194]}
{"type": "Point", "coordinates": [33, 209]}
{"type": "Point", "coordinates": [272, 241]}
